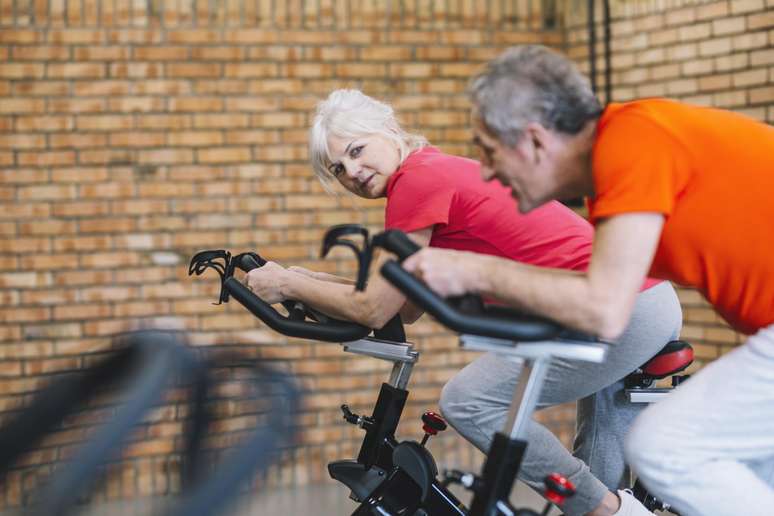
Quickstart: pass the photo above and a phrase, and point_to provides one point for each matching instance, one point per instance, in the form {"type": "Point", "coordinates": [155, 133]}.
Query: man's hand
{"type": "Point", "coordinates": [267, 282]}
{"type": "Point", "coordinates": [446, 272]}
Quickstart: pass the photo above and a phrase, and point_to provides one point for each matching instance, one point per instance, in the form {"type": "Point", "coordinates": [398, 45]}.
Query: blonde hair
{"type": "Point", "coordinates": [352, 114]}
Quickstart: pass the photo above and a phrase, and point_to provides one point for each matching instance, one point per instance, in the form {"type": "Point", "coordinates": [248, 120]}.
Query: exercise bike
{"type": "Point", "coordinates": [388, 477]}
{"type": "Point", "coordinates": [402, 471]}
{"type": "Point", "coordinates": [640, 385]}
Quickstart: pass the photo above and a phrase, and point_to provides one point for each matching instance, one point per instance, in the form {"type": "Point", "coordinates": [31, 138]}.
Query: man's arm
{"type": "Point", "coordinates": [599, 301]}
{"type": "Point", "coordinates": [373, 307]}
{"type": "Point", "coordinates": [322, 276]}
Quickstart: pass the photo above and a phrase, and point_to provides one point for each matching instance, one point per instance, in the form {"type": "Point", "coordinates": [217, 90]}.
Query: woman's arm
{"type": "Point", "coordinates": [373, 307]}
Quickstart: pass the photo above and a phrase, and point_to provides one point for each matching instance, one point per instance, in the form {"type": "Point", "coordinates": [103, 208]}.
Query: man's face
{"type": "Point", "coordinates": [514, 167]}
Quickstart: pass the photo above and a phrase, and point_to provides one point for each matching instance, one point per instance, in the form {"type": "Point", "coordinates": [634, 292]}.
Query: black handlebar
{"type": "Point", "coordinates": [515, 326]}
{"type": "Point", "coordinates": [465, 314]}
{"type": "Point", "coordinates": [320, 327]}
{"type": "Point", "coordinates": [330, 331]}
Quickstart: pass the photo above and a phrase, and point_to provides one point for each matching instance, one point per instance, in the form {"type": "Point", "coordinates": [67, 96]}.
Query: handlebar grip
{"type": "Point", "coordinates": [248, 262]}
{"type": "Point", "coordinates": [469, 303]}
{"type": "Point", "coordinates": [397, 242]}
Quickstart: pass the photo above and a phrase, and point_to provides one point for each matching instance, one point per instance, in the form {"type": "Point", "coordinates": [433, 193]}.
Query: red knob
{"type": "Point", "coordinates": [558, 488]}
{"type": "Point", "coordinates": [433, 423]}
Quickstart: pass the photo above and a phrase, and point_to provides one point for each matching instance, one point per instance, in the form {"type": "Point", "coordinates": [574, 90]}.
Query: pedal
{"type": "Point", "coordinates": [356, 419]}
{"type": "Point", "coordinates": [469, 481]}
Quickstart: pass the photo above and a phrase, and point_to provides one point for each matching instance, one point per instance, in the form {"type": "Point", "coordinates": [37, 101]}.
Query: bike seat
{"type": "Point", "coordinates": [673, 358]}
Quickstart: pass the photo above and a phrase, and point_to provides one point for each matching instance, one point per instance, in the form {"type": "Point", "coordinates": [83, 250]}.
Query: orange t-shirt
{"type": "Point", "coordinates": [711, 173]}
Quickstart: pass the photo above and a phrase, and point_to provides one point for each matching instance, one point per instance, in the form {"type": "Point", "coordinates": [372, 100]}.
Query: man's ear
{"type": "Point", "coordinates": [539, 140]}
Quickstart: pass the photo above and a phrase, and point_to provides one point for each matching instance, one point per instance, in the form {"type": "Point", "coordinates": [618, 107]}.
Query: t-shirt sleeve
{"type": "Point", "coordinates": [420, 199]}
{"type": "Point", "coordinates": [636, 164]}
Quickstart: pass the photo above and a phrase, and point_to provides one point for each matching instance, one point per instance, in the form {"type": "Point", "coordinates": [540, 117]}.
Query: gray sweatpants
{"type": "Point", "coordinates": [475, 402]}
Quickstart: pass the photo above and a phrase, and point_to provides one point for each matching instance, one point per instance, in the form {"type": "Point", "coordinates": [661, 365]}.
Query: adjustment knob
{"type": "Point", "coordinates": [433, 423]}
{"type": "Point", "coordinates": [558, 488]}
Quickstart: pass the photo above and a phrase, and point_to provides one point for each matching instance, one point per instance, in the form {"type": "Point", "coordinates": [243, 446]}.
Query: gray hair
{"type": "Point", "coordinates": [532, 83]}
{"type": "Point", "coordinates": [353, 114]}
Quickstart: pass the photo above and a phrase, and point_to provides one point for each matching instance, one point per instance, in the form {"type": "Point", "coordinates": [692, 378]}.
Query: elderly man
{"type": "Point", "coordinates": [675, 191]}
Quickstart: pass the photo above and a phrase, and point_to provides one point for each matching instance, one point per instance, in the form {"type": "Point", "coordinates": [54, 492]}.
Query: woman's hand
{"type": "Point", "coordinates": [268, 282]}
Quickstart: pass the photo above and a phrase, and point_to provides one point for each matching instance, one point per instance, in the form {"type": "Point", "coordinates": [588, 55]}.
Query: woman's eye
{"type": "Point", "coordinates": [337, 170]}
{"type": "Point", "coordinates": [355, 152]}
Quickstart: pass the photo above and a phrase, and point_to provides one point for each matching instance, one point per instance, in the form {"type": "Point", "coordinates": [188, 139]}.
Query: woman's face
{"type": "Point", "coordinates": [363, 165]}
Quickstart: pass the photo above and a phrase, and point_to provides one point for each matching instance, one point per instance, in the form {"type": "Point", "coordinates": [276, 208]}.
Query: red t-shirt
{"type": "Point", "coordinates": [432, 189]}
{"type": "Point", "coordinates": [711, 174]}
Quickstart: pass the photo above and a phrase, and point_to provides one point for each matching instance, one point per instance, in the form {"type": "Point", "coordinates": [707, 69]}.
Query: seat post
{"type": "Point", "coordinates": [401, 354]}
{"type": "Point", "coordinates": [526, 396]}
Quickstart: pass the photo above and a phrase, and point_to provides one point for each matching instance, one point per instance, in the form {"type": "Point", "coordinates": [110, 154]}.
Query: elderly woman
{"type": "Point", "coordinates": [441, 201]}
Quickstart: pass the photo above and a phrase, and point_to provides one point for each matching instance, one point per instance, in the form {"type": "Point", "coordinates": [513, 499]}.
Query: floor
{"type": "Point", "coordinates": [328, 499]}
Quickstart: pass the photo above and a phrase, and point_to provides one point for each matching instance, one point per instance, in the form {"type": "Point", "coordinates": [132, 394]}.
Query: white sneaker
{"type": "Point", "coordinates": [630, 506]}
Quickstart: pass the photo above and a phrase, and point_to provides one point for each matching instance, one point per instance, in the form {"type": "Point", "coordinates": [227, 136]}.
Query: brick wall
{"type": "Point", "coordinates": [714, 53]}
{"type": "Point", "coordinates": [133, 134]}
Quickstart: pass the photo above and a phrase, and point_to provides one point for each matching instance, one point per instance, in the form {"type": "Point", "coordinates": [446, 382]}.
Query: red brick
{"type": "Point", "coordinates": [220, 121]}
{"type": "Point", "coordinates": [166, 190]}
{"type": "Point", "coordinates": [20, 36]}
{"type": "Point", "coordinates": [194, 138]}
{"type": "Point", "coordinates": [22, 141]}
{"type": "Point", "coordinates": [211, 70]}
{"type": "Point", "coordinates": [75, 70]}
{"type": "Point", "coordinates": [41, 88]}
{"type": "Point", "coordinates": [221, 53]}
{"type": "Point", "coordinates": [107, 190]}
{"type": "Point", "coordinates": [164, 87]}
{"type": "Point", "coordinates": [107, 225]}
{"type": "Point", "coordinates": [114, 53]}
{"type": "Point", "coordinates": [47, 227]}
{"type": "Point", "coordinates": [762, 95]}
{"type": "Point", "coordinates": [77, 140]}
{"type": "Point", "coordinates": [25, 245]}
{"type": "Point", "coordinates": [46, 192]}
{"type": "Point", "coordinates": [41, 53]}
{"type": "Point", "coordinates": [139, 207]}
{"type": "Point", "coordinates": [46, 159]}
{"type": "Point", "coordinates": [137, 139]}
{"type": "Point", "coordinates": [260, 70]}
{"type": "Point", "coordinates": [160, 53]}
{"type": "Point", "coordinates": [223, 155]}
{"type": "Point", "coordinates": [158, 122]}
{"type": "Point", "coordinates": [270, 86]}
{"type": "Point", "coordinates": [189, 37]}
{"type": "Point", "coordinates": [83, 243]}
{"type": "Point", "coordinates": [196, 104]}
{"type": "Point", "coordinates": [81, 209]}
{"type": "Point", "coordinates": [746, 6]}
{"type": "Point", "coordinates": [21, 70]}
{"type": "Point", "coordinates": [103, 122]}
{"type": "Point", "coordinates": [71, 105]}
{"type": "Point", "coordinates": [162, 156]}
{"type": "Point", "coordinates": [106, 88]}
{"type": "Point", "coordinates": [136, 70]}
{"type": "Point", "coordinates": [242, 104]}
